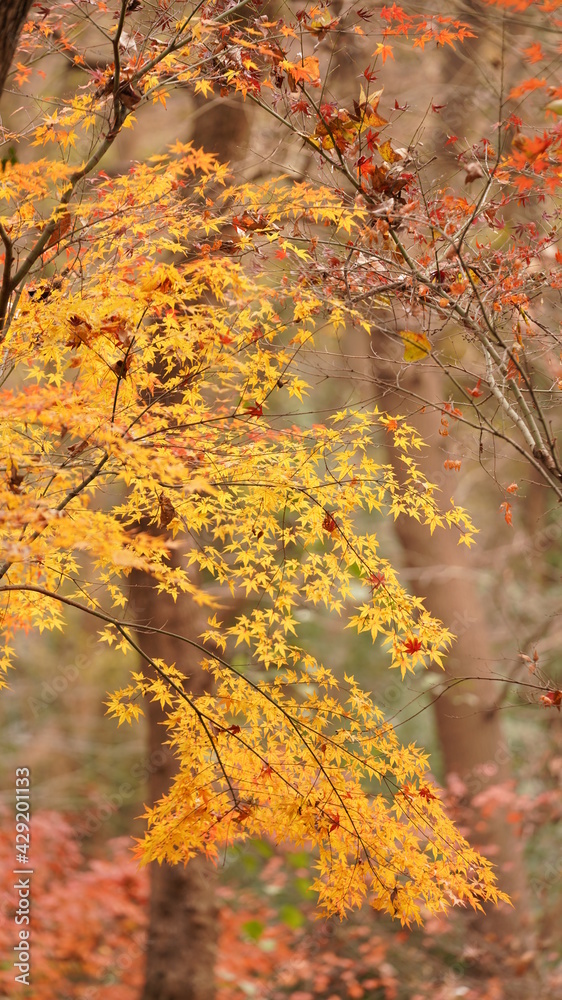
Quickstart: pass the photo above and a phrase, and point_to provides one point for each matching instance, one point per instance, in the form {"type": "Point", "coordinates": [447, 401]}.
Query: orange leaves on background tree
{"type": "Point", "coordinates": [552, 699]}
{"type": "Point", "coordinates": [68, 958]}
{"type": "Point", "coordinates": [507, 511]}
{"type": "Point", "coordinates": [262, 936]}
{"type": "Point", "coordinates": [534, 53]}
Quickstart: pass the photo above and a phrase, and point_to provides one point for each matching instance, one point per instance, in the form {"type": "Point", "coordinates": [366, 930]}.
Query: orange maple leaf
{"type": "Point", "coordinates": [506, 507]}
{"type": "Point", "coordinates": [533, 53]}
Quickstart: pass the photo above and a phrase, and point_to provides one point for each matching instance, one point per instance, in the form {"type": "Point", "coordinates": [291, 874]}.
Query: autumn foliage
{"type": "Point", "coordinates": [90, 927]}
{"type": "Point", "coordinates": [77, 905]}
{"type": "Point", "coordinates": [154, 324]}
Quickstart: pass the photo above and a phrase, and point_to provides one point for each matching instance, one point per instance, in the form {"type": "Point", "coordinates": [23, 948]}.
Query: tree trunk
{"type": "Point", "coordinates": [475, 755]}
{"type": "Point", "coordinates": [12, 19]}
{"type": "Point", "coordinates": [182, 936]}
{"type": "Point", "coordinates": [183, 912]}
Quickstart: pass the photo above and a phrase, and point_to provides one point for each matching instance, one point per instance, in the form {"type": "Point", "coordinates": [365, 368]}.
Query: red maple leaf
{"type": "Point", "coordinates": [328, 523]}
{"type": "Point", "coordinates": [335, 822]}
{"type": "Point", "coordinates": [426, 793]}
{"type": "Point", "coordinates": [412, 645]}
{"type": "Point", "coordinates": [477, 391]}
{"type": "Point", "coordinates": [552, 699]}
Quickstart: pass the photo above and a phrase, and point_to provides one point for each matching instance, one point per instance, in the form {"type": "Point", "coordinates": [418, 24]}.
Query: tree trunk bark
{"type": "Point", "coordinates": [475, 754]}
{"type": "Point", "coordinates": [12, 19]}
{"type": "Point", "coordinates": [182, 934]}
{"type": "Point", "coordinates": [183, 913]}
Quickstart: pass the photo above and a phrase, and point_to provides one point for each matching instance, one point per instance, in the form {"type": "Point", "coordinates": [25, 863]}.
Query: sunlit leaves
{"type": "Point", "coordinates": [124, 377]}
{"type": "Point", "coordinates": [293, 760]}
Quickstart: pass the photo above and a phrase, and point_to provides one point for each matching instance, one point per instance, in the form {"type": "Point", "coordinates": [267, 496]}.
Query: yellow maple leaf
{"type": "Point", "coordinates": [416, 345]}
{"type": "Point", "coordinates": [204, 87]}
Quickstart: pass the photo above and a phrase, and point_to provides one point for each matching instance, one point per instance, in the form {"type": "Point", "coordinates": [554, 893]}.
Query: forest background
{"type": "Point", "coordinates": [89, 781]}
